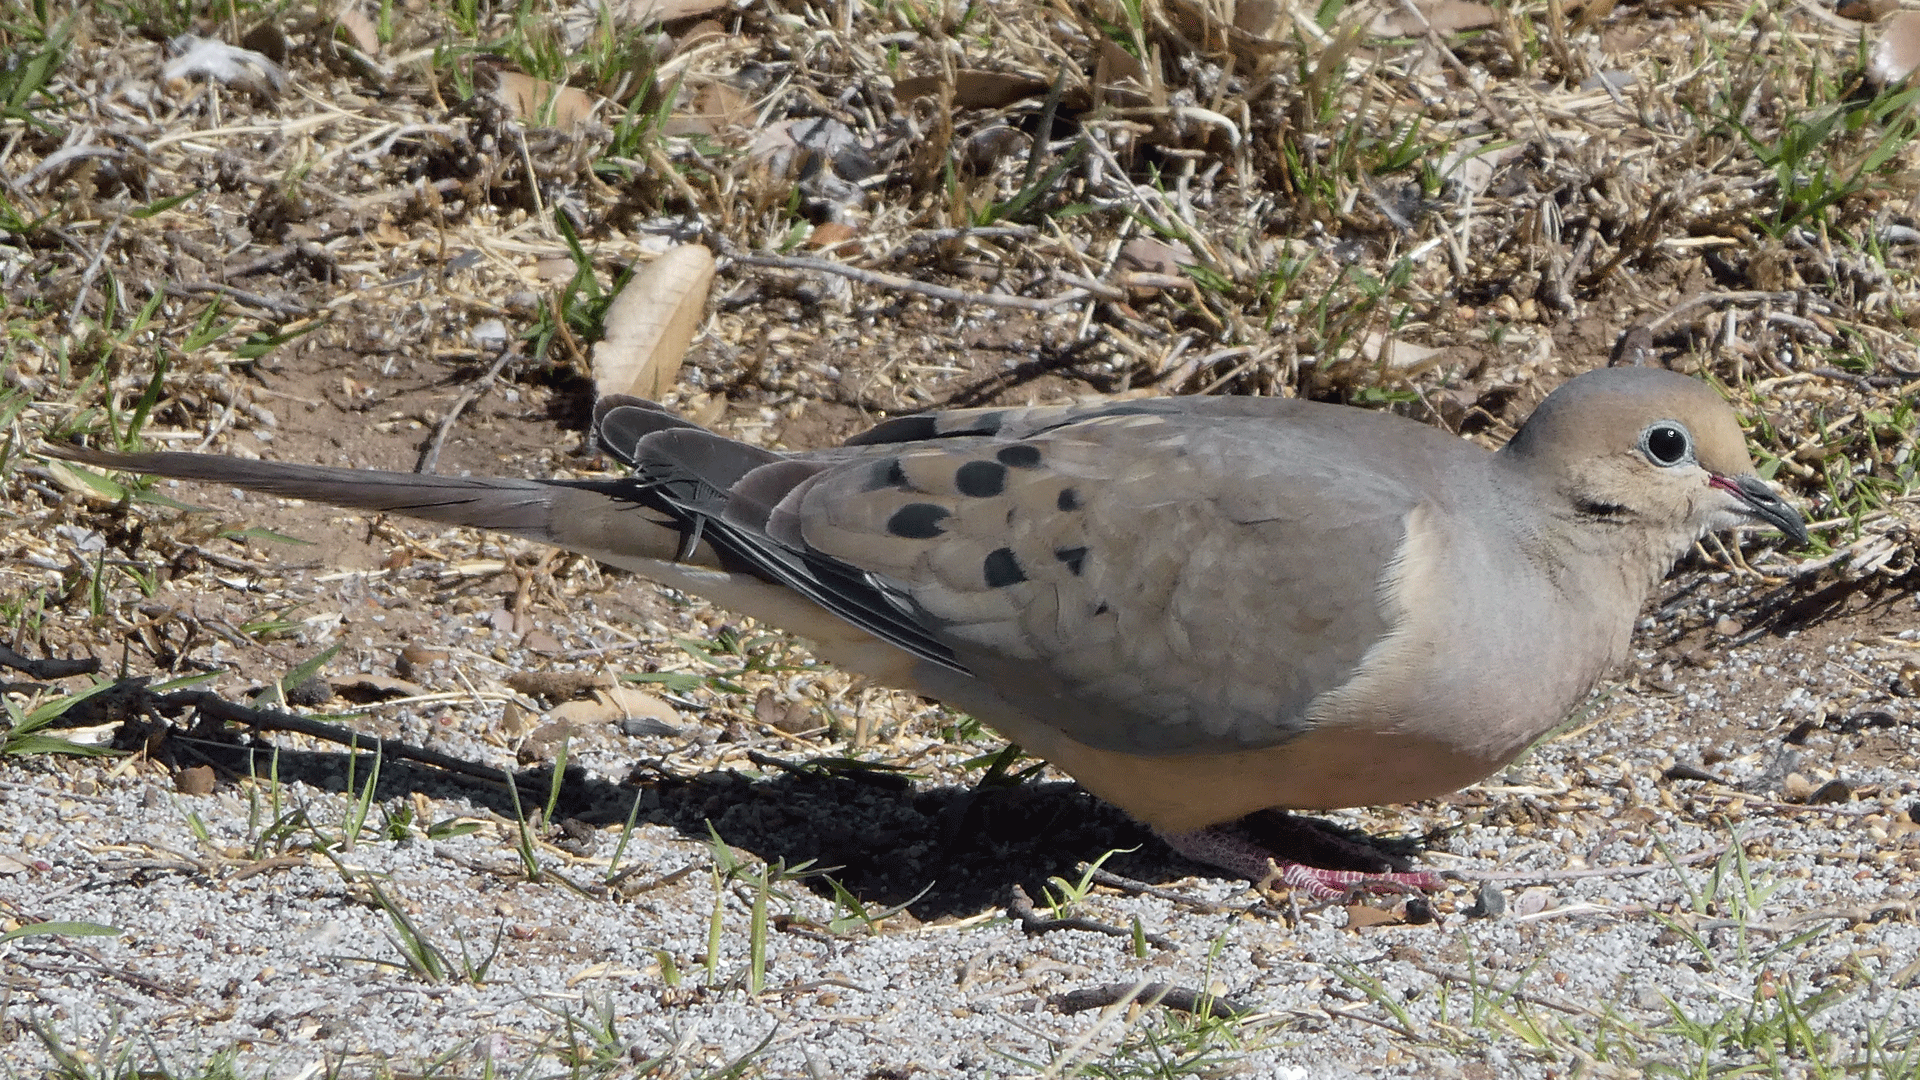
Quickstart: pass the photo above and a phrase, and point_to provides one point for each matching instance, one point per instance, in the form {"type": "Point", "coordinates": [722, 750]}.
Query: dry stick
{"type": "Point", "coordinates": [1141, 888]}
{"type": "Point", "coordinates": [290, 309]}
{"type": "Point", "coordinates": [1717, 298]}
{"type": "Point", "coordinates": [1185, 999]}
{"type": "Point", "coordinates": [1020, 906]}
{"type": "Point", "coordinates": [49, 668]}
{"type": "Point", "coordinates": [219, 708]}
{"type": "Point", "coordinates": [430, 457]}
{"type": "Point", "coordinates": [894, 281]}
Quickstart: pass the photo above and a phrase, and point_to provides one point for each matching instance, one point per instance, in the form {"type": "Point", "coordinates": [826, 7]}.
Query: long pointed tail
{"type": "Point", "coordinates": [598, 518]}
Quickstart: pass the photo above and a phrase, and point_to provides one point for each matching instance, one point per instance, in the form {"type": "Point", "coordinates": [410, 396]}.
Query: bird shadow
{"type": "Point", "coordinates": [944, 850]}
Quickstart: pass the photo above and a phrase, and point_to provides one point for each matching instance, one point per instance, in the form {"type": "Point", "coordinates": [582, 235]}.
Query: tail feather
{"type": "Point", "coordinates": [521, 507]}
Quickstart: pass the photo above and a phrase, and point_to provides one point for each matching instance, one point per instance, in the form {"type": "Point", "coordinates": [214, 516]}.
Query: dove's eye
{"type": "Point", "coordinates": [1666, 444]}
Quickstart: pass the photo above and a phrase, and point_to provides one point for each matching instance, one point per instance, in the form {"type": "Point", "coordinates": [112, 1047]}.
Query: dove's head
{"type": "Point", "coordinates": [1650, 453]}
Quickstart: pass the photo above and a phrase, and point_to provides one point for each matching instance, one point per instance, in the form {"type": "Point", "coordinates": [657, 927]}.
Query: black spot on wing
{"type": "Point", "coordinates": [918, 521]}
{"type": "Point", "coordinates": [1002, 569]}
{"type": "Point", "coordinates": [1074, 557]}
{"type": "Point", "coordinates": [1020, 456]}
{"type": "Point", "coordinates": [887, 473]}
{"type": "Point", "coordinates": [1069, 500]}
{"type": "Point", "coordinates": [981, 479]}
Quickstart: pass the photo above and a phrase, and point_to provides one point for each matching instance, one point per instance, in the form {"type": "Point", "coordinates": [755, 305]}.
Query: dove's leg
{"type": "Point", "coordinates": [1271, 848]}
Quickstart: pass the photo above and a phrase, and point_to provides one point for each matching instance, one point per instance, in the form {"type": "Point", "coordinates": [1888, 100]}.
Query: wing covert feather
{"type": "Point", "coordinates": [1144, 580]}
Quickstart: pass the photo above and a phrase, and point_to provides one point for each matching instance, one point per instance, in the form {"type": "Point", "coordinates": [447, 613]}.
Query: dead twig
{"type": "Point", "coordinates": [212, 705]}
{"type": "Point", "coordinates": [1141, 888]}
{"type": "Point", "coordinates": [1182, 998]}
{"type": "Point", "coordinates": [1020, 906]}
{"type": "Point", "coordinates": [430, 457]}
{"type": "Point", "coordinates": [49, 668]}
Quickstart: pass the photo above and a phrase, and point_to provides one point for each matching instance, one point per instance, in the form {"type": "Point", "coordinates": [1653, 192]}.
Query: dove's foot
{"type": "Point", "coordinates": [1273, 849]}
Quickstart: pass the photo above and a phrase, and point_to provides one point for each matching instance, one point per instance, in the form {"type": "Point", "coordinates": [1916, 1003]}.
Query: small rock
{"type": "Point", "coordinates": [313, 692]}
{"type": "Point", "coordinates": [198, 780]}
{"type": "Point", "coordinates": [1833, 791]}
{"type": "Point", "coordinates": [1488, 903]}
{"type": "Point", "coordinates": [545, 741]}
{"type": "Point", "coordinates": [414, 657]}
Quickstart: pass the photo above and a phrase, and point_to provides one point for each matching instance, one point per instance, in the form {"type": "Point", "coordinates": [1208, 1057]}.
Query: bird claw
{"type": "Point", "coordinates": [1233, 850]}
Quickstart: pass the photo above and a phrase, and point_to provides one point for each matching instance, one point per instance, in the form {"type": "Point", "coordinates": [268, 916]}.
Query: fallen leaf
{"type": "Point", "coordinates": [651, 323]}
{"type": "Point", "coordinates": [714, 109]}
{"type": "Point", "coordinates": [1397, 355]}
{"type": "Point", "coordinates": [974, 89]}
{"type": "Point", "coordinates": [611, 705]}
{"type": "Point", "coordinates": [1360, 916]}
{"type": "Point", "coordinates": [1866, 11]}
{"type": "Point", "coordinates": [831, 233]}
{"type": "Point", "coordinates": [359, 28]}
{"type": "Point", "coordinates": [1153, 256]}
{"type": "Point", "coordinates": [559, 685]}
{"type": "Point", "coordinates": [543, 102]}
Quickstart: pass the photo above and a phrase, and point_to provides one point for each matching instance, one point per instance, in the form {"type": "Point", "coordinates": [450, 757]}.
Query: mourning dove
{"type": "Point", "coordinates": [1198, 607]}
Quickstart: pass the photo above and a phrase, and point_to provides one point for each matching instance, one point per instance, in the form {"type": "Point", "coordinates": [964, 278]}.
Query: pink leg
{"type": "Point", "coordinates": [1233, 848]}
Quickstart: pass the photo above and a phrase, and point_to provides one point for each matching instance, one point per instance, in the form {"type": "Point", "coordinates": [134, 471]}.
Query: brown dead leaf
{"type": "Point", "coordinates": [693, 35]}
{"type": "Point", "coordinates": [610, 705]}
{"type": "Point", "coordinates": [1259, 18]}
{"type": "Point", "coordinates": [541, 102]}
{"type": "Point", "coordinates": [559, 685]}
{"type": "Point", "coordinates": [974, 89]}
{"type": "Point", "coordinates": [651, 323]}
{"type": "Point", "coordinates": [1866, 11]}
{"type": "Point", "coordinates": [714, 109]}
{"type": "Point", "coordinates": [360, 30]}
{"type": "Point", "coordinates": [1360, 916]}
{"type": "Point", "coordinates": [833, 233]}
{"type": "Point", "coordinates": [1146, 254]}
